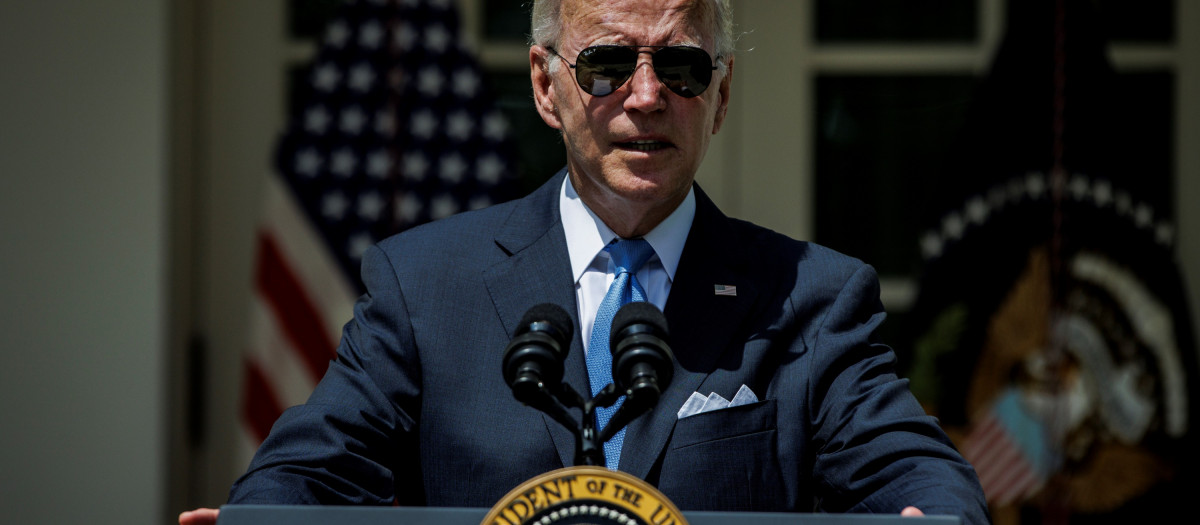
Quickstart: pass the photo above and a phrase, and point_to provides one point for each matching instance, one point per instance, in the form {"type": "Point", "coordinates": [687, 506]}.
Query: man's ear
{"type": "Point", "coordinates": [723, 97]}
{"type": "Point", "coordinates": [543, 85]}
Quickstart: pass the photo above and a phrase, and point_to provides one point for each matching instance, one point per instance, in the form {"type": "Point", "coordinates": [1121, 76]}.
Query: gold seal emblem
{"type": "Point", "coordinates": [584, 495]}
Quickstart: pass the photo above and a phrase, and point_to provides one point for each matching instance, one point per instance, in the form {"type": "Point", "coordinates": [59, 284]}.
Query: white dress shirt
{"type": "Point", "coordinates": [592, 267]}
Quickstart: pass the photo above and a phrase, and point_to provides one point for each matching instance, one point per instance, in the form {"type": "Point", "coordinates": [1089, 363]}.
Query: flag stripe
{"type": "Point", "coordinates": [1016, 481]}
{"type": "Point", "coordinates": [331, 293]}
{"type": "Point", "coordinates": [982, 444]}
{"type": "Point", "coordinates": [286, 372]}
{"type": "Point", "coordinates": [1004, 472]}
{"type": "Point", "coordinates": [260, 408]}
{"type": "Point", "coordinates": [301, 323]}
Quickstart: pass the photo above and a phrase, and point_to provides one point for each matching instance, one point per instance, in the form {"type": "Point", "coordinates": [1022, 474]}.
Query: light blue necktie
{"type": "Point", "coordinates": [627, 256]}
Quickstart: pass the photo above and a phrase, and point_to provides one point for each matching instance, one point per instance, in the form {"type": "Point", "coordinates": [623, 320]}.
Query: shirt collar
{"type": "Point", "coordinates": [587, 234]}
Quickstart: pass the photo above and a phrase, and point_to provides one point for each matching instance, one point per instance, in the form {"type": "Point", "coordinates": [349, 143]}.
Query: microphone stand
{"type": "Point", "coordinates": [589, 443]}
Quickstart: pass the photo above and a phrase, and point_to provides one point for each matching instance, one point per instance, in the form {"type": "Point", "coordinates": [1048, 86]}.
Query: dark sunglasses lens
{"type": "Point", "coordinates": [600, 70]}
{"type": "Point", "coordinates": [684, 70]}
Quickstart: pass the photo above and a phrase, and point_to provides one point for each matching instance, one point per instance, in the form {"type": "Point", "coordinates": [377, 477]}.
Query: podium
{"type": "Point", "coordinates": [338, 515]}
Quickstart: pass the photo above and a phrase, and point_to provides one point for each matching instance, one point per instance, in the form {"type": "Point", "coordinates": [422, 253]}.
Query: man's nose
{"type": "Point", "coordinates": [645, 91]}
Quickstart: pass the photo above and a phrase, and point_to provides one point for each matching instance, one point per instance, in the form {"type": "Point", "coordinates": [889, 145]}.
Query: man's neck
{"type": "Point", "coordinates": [627, 218]}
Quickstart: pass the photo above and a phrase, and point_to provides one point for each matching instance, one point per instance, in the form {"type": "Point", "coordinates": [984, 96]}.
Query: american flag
{"type": "Point", "coordinates": [396, 129]}
{"type": "Point", "coordinates": [1009, 451]}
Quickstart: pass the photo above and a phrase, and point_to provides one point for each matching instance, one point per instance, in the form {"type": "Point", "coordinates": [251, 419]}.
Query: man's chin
{"type": "Point", "coordinates": [652, 188]}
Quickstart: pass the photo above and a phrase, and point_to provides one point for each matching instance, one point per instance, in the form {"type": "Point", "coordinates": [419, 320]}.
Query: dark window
{"type": "Point", "coordinates": [506, 20]}
{"type": "Point", "coordinates": [906, 21]}
{"type": "Point", "coordinates": [541, 149]}
{"type": "Point", "coordinates": [881, 143]}
{"type": "Point", "coordinates": [1138, 21]}
{"type": "Point", "coordinates": [307, 18]}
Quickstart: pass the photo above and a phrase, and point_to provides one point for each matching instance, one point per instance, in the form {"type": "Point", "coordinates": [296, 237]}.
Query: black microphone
{"type": "Point", "coordinates": [533, 360]}
{"type": "Point", "coordinates": [643, 364]}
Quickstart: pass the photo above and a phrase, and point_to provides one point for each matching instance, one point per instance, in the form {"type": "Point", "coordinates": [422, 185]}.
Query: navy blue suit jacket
{"type": "Point", "coordinates": [415, 408]}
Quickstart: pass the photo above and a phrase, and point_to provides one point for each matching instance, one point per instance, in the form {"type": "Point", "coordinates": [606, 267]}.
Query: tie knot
{"type": "Point", "coordinates": [629, 255]}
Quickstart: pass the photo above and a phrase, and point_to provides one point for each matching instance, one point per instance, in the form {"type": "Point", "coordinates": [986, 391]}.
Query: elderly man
{"type": "Point", "coordinates": [415, 411]}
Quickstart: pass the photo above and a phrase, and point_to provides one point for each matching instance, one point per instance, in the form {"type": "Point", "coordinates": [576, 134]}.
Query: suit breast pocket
{"type": "Point", "coordinates": [724, 460]}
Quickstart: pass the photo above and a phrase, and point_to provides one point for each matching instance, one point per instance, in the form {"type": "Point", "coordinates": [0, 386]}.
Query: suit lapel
{"type": "Point", "coordinates": [538, 270]}
{"type": "Point", "coordinates": [701, 324]}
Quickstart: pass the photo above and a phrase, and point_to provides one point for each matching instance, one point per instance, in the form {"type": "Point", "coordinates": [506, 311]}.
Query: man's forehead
{"type": "Point", "coordinates": [645, 21]}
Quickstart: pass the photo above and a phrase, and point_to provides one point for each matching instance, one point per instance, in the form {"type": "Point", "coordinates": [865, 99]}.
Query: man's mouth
{"type": "Point", "coordinates": [645, 145]}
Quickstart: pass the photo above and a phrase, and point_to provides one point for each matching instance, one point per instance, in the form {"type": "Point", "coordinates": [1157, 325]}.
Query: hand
{"type": "Point", "coordinates": [911, 511]}
{"type": "Point", "coordinates": [199, 517]}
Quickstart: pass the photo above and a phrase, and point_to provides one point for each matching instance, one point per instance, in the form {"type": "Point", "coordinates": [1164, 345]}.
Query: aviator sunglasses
{"type": "Point", "coordinates": [600, 70]}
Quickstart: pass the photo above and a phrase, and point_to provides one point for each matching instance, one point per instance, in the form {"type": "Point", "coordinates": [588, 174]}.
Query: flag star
{"type": "Point", "coordinates": [362, 77]}
{"type": "Point", "coordinates": [379, 163]}
{"type": "Point", "coordinates": [443, 206]}
{"type": "Point", "coordinates": [1143, 215]}
{"type": "Point", "coordinates": [359, 244]}
{"type": "Point", "coordinates": [424, 124]}
{"type": "Point", "coordinates": [1102, 193]}
{"type": "Point", "coordinates": [1079, 187]}
{"type": "Point", "coordinates": [977, 210]}
{"type": "Point", "coordinates": [371, 35]}
{"type": "Point", "coordinates": [451, 168]}
{"type": "Point", "coordinates": [460, 125]}
{"type": "Point", "coordinates": [337, 34]}
{"type": "Point", "coordinates": [405, 37]}
{"type": "Point", "coordinates": [334, 205]}
{"type": "Point", "coordinates": [1035, 184]}
{"type": "Point", "coordinates": [344, 162]}
{"type": "Point", "coordinates": [308, 162]}
{"type": "Point", "coordinates": [466, 83]}
{"type": "Point", "coordinates": [408, 208]}
{"type": "Point", "coordinates": [952, 226]}
{"type": "Point", "coordinates": [490, 169]}
{"type": "Point", "coordinates": [316, 120]}
{"type": "Point", "coordinates": [370, 206]}
{"type": "Point", "coordinates": [429, 81]}
{"type": "Point", "coordinates": [495, 127]}
{"type": "Point", "coordinates": [437, 38]}
{"type": "Point", "coordinates": [385, 123]}
{"type": "Point", "coordinates": [415, 166]}
{"type": "Point", "coordinates": [480, 202]}
{"type": "Point", "coordinates": [326, 77]}
{"type": "Point", "coordinates": [353, 120]}
{"type": "Point", "coordinates": [931, 245]}
{"type": "Point", "coordinates": [1164, 233]}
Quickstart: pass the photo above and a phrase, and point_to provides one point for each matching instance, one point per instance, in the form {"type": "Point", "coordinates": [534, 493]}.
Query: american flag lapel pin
{"type": "Point", "coordinates": [725, 289]}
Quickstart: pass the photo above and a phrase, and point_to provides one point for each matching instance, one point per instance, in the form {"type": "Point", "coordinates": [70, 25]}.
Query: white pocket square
{"type": "Point", "coordinates": [699, 403]}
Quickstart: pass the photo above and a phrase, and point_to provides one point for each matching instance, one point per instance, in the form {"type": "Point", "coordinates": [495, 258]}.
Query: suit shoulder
{"type": "Point", "coordinates": [771, 247]}
{"type": "Point", "coordinates": [459, 231]}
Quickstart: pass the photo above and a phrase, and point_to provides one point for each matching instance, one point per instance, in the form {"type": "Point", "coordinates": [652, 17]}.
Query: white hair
{"type": "Point", "coordinates": [546, 24]}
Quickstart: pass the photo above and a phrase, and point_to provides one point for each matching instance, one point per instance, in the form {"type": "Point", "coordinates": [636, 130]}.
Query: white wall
{"type": "Point", "coordinates": [83, 123]}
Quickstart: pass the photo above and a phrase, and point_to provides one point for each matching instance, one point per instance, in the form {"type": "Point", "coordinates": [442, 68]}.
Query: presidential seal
{"type": "Point", "coordinates": [584, 495]}
{"type": "Point", "coordinates": [1064, 363]}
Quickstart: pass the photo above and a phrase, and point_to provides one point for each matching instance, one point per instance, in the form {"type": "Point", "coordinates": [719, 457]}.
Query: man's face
{"type": "Point", "coordinates": [640, 146]}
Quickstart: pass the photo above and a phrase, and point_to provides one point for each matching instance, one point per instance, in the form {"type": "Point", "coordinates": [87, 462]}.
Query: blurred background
{"type": "Point", "coordinates": [1023, 174]}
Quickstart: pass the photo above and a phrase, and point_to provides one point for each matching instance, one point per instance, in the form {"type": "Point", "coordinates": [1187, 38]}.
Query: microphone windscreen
{"type": "Point", "coordinates": [554, 315]}
{"type": "Point", "coordinates": [639, 312]}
